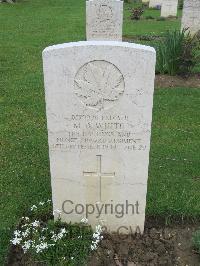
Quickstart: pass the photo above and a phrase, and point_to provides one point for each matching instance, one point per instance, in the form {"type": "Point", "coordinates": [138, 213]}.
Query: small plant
{"type": "Point", "coordinates": [55, 243]}
{"type": "Point", "coordinates": [196, 240]}
{"type": "Point", "coordinates": [136, 13]}
{"type": "Point", "coordinates": [176, 54]}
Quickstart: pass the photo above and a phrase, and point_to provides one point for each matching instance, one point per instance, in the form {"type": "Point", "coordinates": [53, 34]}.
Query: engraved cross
{"type": "Point", "coordinates": [99, 174]}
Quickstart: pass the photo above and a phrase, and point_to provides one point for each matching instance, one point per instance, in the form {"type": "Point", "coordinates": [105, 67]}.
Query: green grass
{"type": "Point", "coordinates": [148, 27]}
{"type": "Point", "coordinates": [26, 29]}
{"type": "Point", "coordinates": [174, 177]}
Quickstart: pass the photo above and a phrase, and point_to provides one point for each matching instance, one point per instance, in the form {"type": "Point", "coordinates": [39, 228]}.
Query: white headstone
{"type": "Point", "coordinates": [169, 8]}
{"type": "Point", "coordinates": [191, 15]}
{"type": "Point", "coordinates": [99, 98]}
{"type": "Point", "coordinates": [154, 3]}
{"type": "Point", "coordinates": [104, 20]}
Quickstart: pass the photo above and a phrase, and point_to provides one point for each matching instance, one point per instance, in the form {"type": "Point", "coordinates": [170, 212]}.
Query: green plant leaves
{"type": "Point", "coordinates": [176, 54]}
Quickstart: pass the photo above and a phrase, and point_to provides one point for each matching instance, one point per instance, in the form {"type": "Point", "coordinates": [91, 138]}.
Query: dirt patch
{"type": "Point", "coordinates": [166, 81]}
{"type": "Point", "coordinates": [168, 246]}
{"type": "Point", "coordinates": [16, 257]}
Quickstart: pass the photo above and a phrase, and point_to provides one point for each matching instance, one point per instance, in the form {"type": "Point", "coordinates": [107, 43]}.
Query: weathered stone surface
{"type": "Point", "coordinates": [169, 8]}
{"type": "Point", "coordinates": [191, 15]}
{"type": "Point", "coordinates": [99, 98]}
{"type": "Point", "coordinates": [104, 20]}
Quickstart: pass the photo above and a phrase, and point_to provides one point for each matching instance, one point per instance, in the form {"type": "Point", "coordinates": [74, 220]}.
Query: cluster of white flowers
{"type": "Point", "coordinates": [21, 237]}
{"type": "Point", "coordinates": [17, 238]}
{"type": "Point", "coordinates": [32, 237]}
{"type": "Point", "coordinates": [97, 237]}
{"type": "Point", "coordinates": [27, 229]}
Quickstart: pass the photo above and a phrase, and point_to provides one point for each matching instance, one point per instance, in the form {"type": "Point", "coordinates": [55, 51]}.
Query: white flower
{"type": "Point", "coordinates": [57, 212]}
{"type": "Point", "coordinates": [17, 233]}
{"type": "Point", "coordinates": [27, 245]}
{"type": "Point", "coordinates": [48, 200]}
{"type": "Point", "coordinates": [36, 223]}
{"type": "Point", "coordinates": [99, 228]}
{"type": "Point", "coordinates": [54, 237]}
{"type": "Point", "coordinates": [72, 258]}
{"type": "Point", "coordinates": [16, 241]}
{"type": "Point", "coordinates": [93, 247]}
{"type": "Point", "coordinates": [33, 207]}
{"type": "Point", "coordinates": [26, 233]}
{"type": "Point", "coordinates": [60, 235]}
{"type": "Point", "coordinates": [63, 231]}
{"type": "Point", "coordinates": [41, 203]}
{"type": "Point", "coordinates": [96, 237]}
{"type": "Point", "coordinates": [41, 247]}
{"type": "Point", "coordinates": [84, 220]}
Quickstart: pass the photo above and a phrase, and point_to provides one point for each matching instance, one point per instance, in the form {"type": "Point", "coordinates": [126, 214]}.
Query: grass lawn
{"type": "Point", "coordinates": [150, 26]}
{"type": "Point", "coordinates": [26, 29]}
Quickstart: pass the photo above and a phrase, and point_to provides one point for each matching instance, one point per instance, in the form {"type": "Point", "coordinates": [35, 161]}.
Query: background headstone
{"type": "Point", "coordinates": [99, 98]}
{"type": "Point", "coordinates": [169, 8]}
{"type": "Point", "coordinates": [104, 20]}
{"type": "Point", "coordinates": [155, 3]}
{"type": "Point", "coordinates": [191, 15]}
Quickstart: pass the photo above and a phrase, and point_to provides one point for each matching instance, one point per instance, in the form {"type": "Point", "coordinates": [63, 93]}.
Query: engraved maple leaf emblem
{"type": "Point", "coordinates": [99, 83]}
